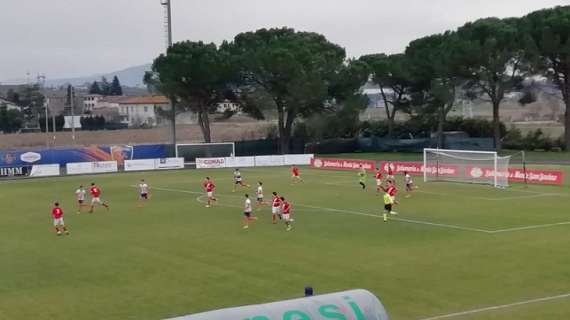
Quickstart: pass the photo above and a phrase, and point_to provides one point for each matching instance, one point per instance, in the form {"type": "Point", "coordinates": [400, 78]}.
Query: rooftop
{"type": "Point", "coordinates": [114, 99]}
{"type": "Point", "coordinates": [144, 100]}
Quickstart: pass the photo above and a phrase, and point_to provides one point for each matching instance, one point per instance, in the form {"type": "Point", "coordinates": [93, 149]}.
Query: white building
{"type": "Point", "coordinates": [134, 111]}
{"type": "Point", "coordinates": [110, 102]}
{"type": "Point", "coordinates": [228, 105]}
{"type": "Point", "coordinates": [9, 105]}
{"type": "Point", "coordinates": [91, 102]}
{"type": "Point", "coordinates": [142, 111]}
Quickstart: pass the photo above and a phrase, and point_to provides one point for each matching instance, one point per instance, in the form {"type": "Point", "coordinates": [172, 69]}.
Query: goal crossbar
{"type": "Point", "coordinates": [460, 151]}
{"type": "Point", "coordinates": [471, 166]}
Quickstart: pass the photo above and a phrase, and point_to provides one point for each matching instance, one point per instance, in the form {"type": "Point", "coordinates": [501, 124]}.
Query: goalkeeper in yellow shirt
{"type": "Point", "coordinates": [388, 202]}
{"type": "Point", "coordinates": [362, 177]}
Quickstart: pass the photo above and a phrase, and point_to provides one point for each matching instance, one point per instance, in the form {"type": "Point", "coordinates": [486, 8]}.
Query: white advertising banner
{"type": "Point", "coordinates": [299, 159]}
{"type": "Point", "coordinates": [354, 304]}
{"type": "Point", "coordinates": [210, 163]}
{"type": "Point", "coordinates": [140, 165]}
{"type": "Point", "coordinates": [45, 170]}
{"type": "Point", "coordinates": [30, 157]}
{"type": "Point", "coordinates": [269, 161]}
{"type": "Point", "coordinates": [105, 166]}
{"type": "Point", "coordinates": [79, 167]}
{"type": "Point", "coordinates": [92, 167]}
{"type": "Point", "coordinates": [169, 163]}
{"type": "Point", "coordinates": [240, 162]}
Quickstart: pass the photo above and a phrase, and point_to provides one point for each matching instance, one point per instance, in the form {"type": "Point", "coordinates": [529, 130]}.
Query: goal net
{"type": "Point", "coordinates": [191, 151]}
{"type": "Point", "coordinates": [483, 167]}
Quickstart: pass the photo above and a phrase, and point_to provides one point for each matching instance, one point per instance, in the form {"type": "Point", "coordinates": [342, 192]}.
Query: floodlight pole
{"type": "Point", "coordinates": [53, 125]}
{"type": "Point", "coordinates": [46, 105]}
{"type": "Point", "coordinates": [169, 13]}
{"type": "Point", "coordinates": [72, 105]}
{"type": "Point", "coordinates": [41, 83]}
{"type": "Point", "coordinates": [168, 20]}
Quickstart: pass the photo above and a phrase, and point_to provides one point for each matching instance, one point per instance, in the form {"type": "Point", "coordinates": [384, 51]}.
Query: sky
{"type": "Point", "coordinates": [69, 38]}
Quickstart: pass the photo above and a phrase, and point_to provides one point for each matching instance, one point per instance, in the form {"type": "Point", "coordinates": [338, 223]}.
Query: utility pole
{"type": "Point", "coordinates": [168, 29]}
{"type": "Point", "coordinates": [46, 106]}
{"type": "Point", "coordinates": [167, 21]}
{"type": "Point", "coordinates": [72, 104]}
{"type": "Point", "coordinates": [53, 124]}
{"type": "Point", "coordinates": [41, 81]}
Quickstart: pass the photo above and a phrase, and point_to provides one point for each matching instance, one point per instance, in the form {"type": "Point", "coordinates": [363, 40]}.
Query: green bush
{"type": "Point", "coordinates": [272, 132]}
{"type": "Point", "coordinates": [59, 123]}
{"type": "Point", "coordinates": [10, 120]}
{"type": "Point", "coordinates": [533, 140]}
{"type": "Point", "coordinates": [327, 126]}
{"type": "Point", "coordinates": [475, 128]}
{"type": "Point", "coordinates": [331, 126]}
{"type": "Point", "coordinates": [93, 123]}
{"type": "Point", "coordinates": [513, 139]}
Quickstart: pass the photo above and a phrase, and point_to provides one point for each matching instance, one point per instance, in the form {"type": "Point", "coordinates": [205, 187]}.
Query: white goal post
{"type": "Point", "coordinates": [191, 151]}
{"type": "Point", "coordinates": [466, 166]}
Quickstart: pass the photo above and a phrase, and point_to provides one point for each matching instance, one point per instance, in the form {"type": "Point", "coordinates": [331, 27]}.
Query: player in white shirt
{"type": "Point", "coordinates": [409, 184]}
{"type": "Point", "coordinates": [247, 212]}
{"type": "Point", "coordinates": [238, 180]}
{"type": "Point", "coordinates": [80, 197]}
{"type": "Point", "coordinates": [259, 194]}
{"type": "Point", "coordinates": [144, 191]}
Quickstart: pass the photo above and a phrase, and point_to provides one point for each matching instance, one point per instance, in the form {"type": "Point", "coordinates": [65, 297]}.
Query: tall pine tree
{"type": "Point", "coordinates": [116, 89]}
{"type": "Point", "coordinates": [105, 87]}
{"type": "Point", "coordinates": [95, 88]}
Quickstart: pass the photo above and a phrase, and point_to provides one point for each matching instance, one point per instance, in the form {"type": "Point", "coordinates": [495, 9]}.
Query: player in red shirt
{"type": "Point", "coordinates": [390, 172]}
{"type": "Point", "coordinates": [286, 213]}
{"type": "Point", "coordinates": [209, 186]}
{"type": "Point", "coordinates": [296, 175]}
{"type": "Point", "coordinates": [57, 214]}
{"type": "Point", "coordinates": [96, 197]}
{"type": "Point", "coordinates": [378, 177]}
{"type": "Point", "coordinates": [392, 190]}
{"type": "Point", "coordinates": [276, 207]}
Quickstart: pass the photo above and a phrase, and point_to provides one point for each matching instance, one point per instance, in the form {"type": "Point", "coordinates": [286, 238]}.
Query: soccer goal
{"type": "Point", "coordinates": [191, 151]}
{"type": "Point", "coordinates": [483, 167]}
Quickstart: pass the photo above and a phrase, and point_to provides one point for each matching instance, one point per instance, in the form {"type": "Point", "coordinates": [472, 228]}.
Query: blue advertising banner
{"type": "Point", "coordinates": [119, 153]}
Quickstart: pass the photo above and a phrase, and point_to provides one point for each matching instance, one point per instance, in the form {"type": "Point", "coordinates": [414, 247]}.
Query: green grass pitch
{"type": "Point", "coordinates": [453, 248]}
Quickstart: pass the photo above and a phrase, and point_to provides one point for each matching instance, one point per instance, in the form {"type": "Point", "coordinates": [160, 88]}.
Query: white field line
{"type": "Point", "coordinates": [441, 225]}
{"type": "Point", "coordinates": [533, 194]}
{"type": "Point", "coordinates": [538, 226]}
{"type": "Point", "coordinates": [340, 184]}
{"type": "Point", "coordinates": [449, 226]}
{"type": "Point", "coordinates": [420, 222]}
{"type": "Point", "coordinates": [536, 195]}
{"type": "Point", "coordinates": [499, 307]}
{"type": "Point", "coordinates": [540, 195]}
{"type": "Point", "coordinates": [443, 194]}
{"type": "Point", "coordinates": [537, 192]}
{"type": "Point", "coordinates": [200, 199]}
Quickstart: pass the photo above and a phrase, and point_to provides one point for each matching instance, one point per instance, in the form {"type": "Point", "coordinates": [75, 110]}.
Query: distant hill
{"type": "Point", "coordinates": [130, 77]}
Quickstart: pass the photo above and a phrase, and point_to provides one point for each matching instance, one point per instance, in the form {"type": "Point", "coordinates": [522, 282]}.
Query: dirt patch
{"type": "Point", "coordinates": [221, 132]}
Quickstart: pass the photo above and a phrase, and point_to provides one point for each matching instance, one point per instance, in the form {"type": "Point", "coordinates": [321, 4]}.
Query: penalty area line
{"type": "Point", "coordinates": [403, 220]}
{"type": "Point", "coordinates": [419, 222]}
{"type": "Point", "coordinates": [433, 224]}
{"type": "Point", "coordinates": [538, 226]}
{"type": "Point", "coordinates": [498, 307]}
